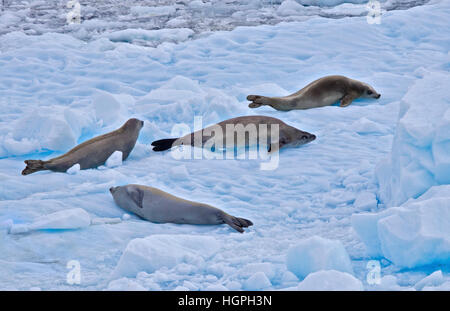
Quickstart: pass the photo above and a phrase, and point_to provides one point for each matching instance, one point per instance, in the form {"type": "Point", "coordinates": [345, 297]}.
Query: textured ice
{"type": "Point", "coordinates": [316, 253]}
{"type": "Point", "coordinates": [257, 281]}
{"type": "Point", "coordinates": [420, 155]}
{"type": "Point", "coordinates": [434, 279]}
{"type": "Point", "coordinates": [154, 252]}
{"type": "Point", "coordinates": [75, 218]}
{"type": "Point", "coordinates": [414, 234]}
{"type": "Point", "coordinates": [329, 280]}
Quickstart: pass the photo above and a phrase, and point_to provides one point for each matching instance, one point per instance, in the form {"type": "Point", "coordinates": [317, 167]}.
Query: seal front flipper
{"type": "Point", "coordinates": [235, 222]}
{"type": "Point", "coordinates": [33, 166]}
{"type": "Point", "coordinates": [347, 99]}
{"type": "Point", "coordinates": [163, 144]}
{"type": "Point", "coordinates": [137, 195]}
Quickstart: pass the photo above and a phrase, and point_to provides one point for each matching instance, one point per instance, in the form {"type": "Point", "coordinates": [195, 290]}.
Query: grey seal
{"type": "Point", "coordinates": [161, 207]}
{"type": "Point", "coordinates": [92, 153]}
{"type": "Point", "coordinates": [287, 136]}
{"type": "Point", "coordinates": [322, 92]}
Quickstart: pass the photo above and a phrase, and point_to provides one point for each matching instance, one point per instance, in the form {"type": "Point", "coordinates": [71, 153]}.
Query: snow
{"type": "Point", "coordinates": [316, 253]}
{"type": "Point", "coordinates": [157, 251]}
{"type": "Point", "coordinates": [60, 89]}
{"type": "Point", "coordinates": [74, 169]}
{"type": "Point", "coordinates": [329, 280]}
{"type": "Point", "coordinates": [420, 155]}
{"type": "Point", "coordinates": [257, 281]}
{"type": "Point", "coordinates": [414, 234]}
{"type": "Point", "coordinates": [114, 160]}
{"type": "Point", "coordinates": [434, 279]}
{"type": "Point", "coordinates": [75, 218]}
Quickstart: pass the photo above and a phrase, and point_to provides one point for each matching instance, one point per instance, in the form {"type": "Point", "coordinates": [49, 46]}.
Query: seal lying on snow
{"type": "Point", "coordinates": [92, 153]}
{"type": "Point", "coordinates": [322, 92]}
{"type": "Point", "coordinates": [158, 206]}
{"type": "Point", "coordinates": [287, 136]}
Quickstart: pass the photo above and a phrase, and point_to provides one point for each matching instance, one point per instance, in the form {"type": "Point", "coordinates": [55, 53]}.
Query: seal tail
{"type": "Point", "coordinates": [258, 101]}
{"type": "Point", "coordinates": [236, 223]}
{"type": "Point", "coordinates": [33, 166]}
{"type": "Point", "coordinates": [163, 144]}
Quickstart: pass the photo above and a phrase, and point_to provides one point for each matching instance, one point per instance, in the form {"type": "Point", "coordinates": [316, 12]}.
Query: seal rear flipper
{"type": "Point", "coordinates": [236, 223]}
{"type": "Point", "coordinates": [33, 166]}
{"type": "Point", "coordinates": [257, 101]}
{"type": "Point", "coordinates": [163, 144]}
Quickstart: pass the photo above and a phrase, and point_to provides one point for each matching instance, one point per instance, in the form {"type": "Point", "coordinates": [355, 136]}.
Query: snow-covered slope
{"type": "Point", "coordinates": [57, 91]}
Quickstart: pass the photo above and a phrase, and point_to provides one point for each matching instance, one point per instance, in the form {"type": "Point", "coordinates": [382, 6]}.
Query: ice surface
{"type": "Point", "coordinates": [257, 281]}
{"type": "Point", "coordinates": [154, 252]}
{"type": "Point", "coordinates": [75, 218]}
{"type": "Point", "coordinates": [316, 253]}
{"type": "Point", "coordinates": [49, 84]}
{"type": "Point", "coordinates": [414, 234]}
{"type": "Point", "coordinates": [434, 279]}
{"type": "Point", "coordinates": [420, 155]}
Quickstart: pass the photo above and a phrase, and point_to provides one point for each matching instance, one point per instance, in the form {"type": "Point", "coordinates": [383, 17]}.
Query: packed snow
{"type": "Point", "coordinates": [315, 254]}
{"type": "Point", "coordinates": [369, 197]}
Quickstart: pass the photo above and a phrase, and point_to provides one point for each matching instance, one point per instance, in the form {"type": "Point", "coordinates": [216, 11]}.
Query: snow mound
{"type": "Point", "coordinates": [74, 169]}
{"type": "Point", "coordinates": [115, 159]}
{"type": "Point", "coordinates": [75, 218]}
{"type": "Point", "coordinates": [154, 252]}
{"type": "Point", "coordinates": [45, 128]}
{"type": "Point", "coordinates": [290, 7]}
{"type": "Point", "coordinates": [316, 253]}
{"type": "Point", "coordinates": [182, 98]}
{"type": "Point", "coordinates": [158, 35]}
{"type": "Point", "coordinates": [420, 155]}
{"type": "Point", "coordinates": [434, 279]}
{"type": "Point", "coordinates": [414, 234]}
{"type": "Point", "coordinates": [106, 107]}
{"type": "Point", "coordinates": [330, 280]}
{"type": "Point", "coordinates": [257, 281]}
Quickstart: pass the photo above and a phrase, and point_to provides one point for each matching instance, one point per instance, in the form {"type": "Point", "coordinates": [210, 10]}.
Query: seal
{"type": "Point", "coordinates": [161, 207]}
{"type": "Point", "coordinates": [323, 92]}
{"type": "Point", "coordinates": [254, 125]}
{"type": "Point", "coordinates": [92, 153]}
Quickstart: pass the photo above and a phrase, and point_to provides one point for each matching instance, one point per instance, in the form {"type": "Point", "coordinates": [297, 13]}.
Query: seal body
{"type": "Point", "coordinates": [226, 132]}
{"type": "Point", "coordinates": [323, 92]}
{"type": "Point", "coordinates": [92, 153]}
{"type": "Point", "coordinates": [161, 207]}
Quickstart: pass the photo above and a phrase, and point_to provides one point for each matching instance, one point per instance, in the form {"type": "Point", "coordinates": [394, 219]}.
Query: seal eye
{"type": "Point", "coordinates": [369, 92]}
